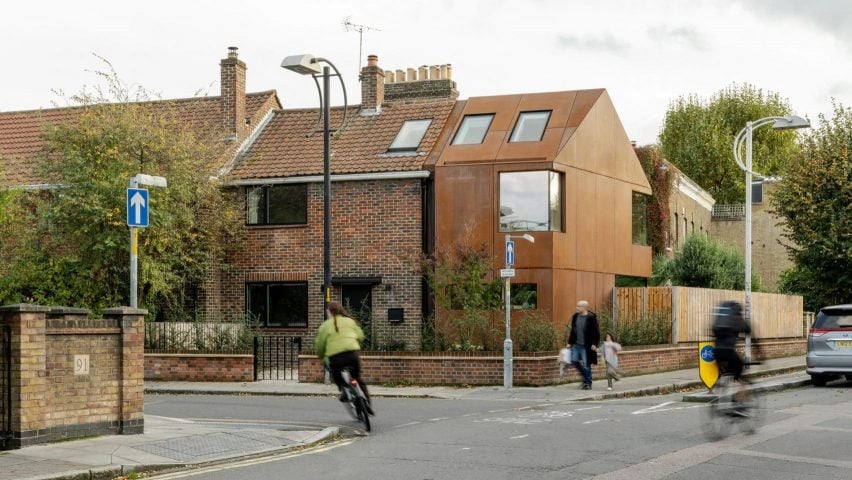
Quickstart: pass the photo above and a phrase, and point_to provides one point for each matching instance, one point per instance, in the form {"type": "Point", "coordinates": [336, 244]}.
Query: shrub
{"type": "Point", "coordinates": [533, 332]}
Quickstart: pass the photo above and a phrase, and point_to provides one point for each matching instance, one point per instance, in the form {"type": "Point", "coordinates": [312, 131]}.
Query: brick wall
{"type": "Point", "coordinates": [536, 369]}
{"type": "Point", "coordinates": [420, 90]}
{"type": "Point", "coordinates": [376, 232]}
{"type": "Point", "coordinates": [199, 368]}
{"type": "Point", "coordinates": [73, 376]}
{"type": "Point", "coordinates": [233, 89]}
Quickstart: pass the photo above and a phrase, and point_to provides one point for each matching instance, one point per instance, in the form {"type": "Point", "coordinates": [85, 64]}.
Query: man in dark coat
{"type": "Point", "coordinates": [583, 342]}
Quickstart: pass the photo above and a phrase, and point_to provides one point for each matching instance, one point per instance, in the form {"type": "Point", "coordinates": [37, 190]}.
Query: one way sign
{"type": "Point", "coordinates": [137, 207]}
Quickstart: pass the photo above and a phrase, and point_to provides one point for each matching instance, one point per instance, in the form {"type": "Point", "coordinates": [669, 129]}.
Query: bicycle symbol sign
{"type": "Point", "coordinates": [707, 353]}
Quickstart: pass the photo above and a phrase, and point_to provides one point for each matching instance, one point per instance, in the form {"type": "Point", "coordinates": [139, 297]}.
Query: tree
{"type": "Point", "coordinates": [703, 263]}
{"type": "Point", "coordinates": [69, 246]}
{"type": "Point", "coordinates": [661, 186]}
{"type": "Point", "coordinates": [698, 136]}
{"type": "Point", "coordinates": [814, 200]}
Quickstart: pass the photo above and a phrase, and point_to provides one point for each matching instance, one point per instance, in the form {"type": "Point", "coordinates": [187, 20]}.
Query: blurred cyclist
{"type": "Point", "coordinates": [727, 327]}
{"type": "Point", "coordinates": [337, 343]}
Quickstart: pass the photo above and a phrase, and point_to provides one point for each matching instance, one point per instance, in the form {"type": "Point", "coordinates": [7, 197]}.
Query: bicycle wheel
{"type": "Point", "coordinates": [350, 406]}
{"type": "Point", "coordinates": [754, 411]}
{"type": "Point", "coordinates": [717, 423]}
{"type": "Point", "coordinates": [363, 416]}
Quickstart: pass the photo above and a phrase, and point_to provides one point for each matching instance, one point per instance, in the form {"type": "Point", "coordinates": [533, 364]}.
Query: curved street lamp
{"type": "Point", "coordinates": [306, 64]}
{"type": "Point", "coordinates": [745, 135]}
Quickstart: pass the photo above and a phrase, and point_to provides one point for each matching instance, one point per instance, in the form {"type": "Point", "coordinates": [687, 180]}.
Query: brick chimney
{"type": "Point", "coordinates": [233, 85]}
{"type": "Point", "coordinates": [372, 87]}
{"type": "Point", "coordinates": [419, 85]}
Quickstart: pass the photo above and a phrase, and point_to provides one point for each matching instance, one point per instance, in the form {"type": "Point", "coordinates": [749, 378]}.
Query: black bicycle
{"type": "Point", "coordinates": [356, 401]}
{"type": "Point", "coordinates": [732, 406]}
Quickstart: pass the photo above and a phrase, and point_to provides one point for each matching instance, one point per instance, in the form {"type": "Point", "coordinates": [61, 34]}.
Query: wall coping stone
{"type": "Point", "coordinates": [68, 311]}
{"type": "Point", "coordinates": [24, 308]}
{"type": "Point", "coordinates": [125, 311]}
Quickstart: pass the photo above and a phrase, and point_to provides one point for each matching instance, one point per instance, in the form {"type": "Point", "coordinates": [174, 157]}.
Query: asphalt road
{"type": "Point", "coordinates": [805, 435]}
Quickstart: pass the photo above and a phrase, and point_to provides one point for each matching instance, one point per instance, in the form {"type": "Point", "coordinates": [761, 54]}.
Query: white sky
{"type": "Point", "coordinates": [645, 53]}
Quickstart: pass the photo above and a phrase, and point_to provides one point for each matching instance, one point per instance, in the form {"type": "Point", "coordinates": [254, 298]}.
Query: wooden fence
{"type": "Point", "coordinates": [690, 310]}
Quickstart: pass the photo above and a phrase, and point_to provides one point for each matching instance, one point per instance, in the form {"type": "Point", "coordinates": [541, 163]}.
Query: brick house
{"type": "Point", "coordinates": [413, 170]}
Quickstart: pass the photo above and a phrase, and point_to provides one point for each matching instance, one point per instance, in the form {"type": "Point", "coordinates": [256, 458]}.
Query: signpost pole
{"type": "Point", "coordinates": [134, 183]}
{"type": "Point", "coordinates": [507, 344]}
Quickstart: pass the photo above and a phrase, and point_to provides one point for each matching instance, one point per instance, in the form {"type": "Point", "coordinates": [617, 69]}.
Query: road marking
{"type": "Point", "coordinates": [520, 436]}
{"type": "Point", "coordinates": [438, 419]}
{"type": "Point", "coordinates": [407, 424]}
{"type": "Point", "coordinates": [179, 420]}
{"type": "Point", "coordinates": [595, 421]}
{"type": "Point", "coordinates": [470, 414]}
{"type": "Point", "coordinates": [587, 408]}
{"type": "Point", "coordinates": [651, 409]}
{"type": "Point", "coordinates": [255, 461]}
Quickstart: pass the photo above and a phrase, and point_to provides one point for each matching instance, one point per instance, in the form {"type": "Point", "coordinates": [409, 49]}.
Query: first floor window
{"type": "Point", "coordinates": [531, 201]}
{"type": "Point", "coordinates": [640, 218]}
{"type": "Point", "coordinates": [278, 304]}
{"type": "Point", "coordinates": [277, 204]}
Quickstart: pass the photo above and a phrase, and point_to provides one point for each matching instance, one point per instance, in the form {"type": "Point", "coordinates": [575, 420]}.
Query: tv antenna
{"type": "Point", "coordinates": [348, 26]}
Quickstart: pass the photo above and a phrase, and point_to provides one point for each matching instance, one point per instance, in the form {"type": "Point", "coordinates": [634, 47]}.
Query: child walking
{"type": "Point", "coordinates": [610, 349]}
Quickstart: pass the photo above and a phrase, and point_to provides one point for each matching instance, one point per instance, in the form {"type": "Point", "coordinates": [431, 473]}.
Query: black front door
{"type": "Point", "coordinates": [358, 299]}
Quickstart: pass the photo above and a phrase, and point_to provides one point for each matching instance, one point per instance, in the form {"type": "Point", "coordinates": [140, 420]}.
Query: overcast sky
{"type": "Point", "coordinates": [645, 53]}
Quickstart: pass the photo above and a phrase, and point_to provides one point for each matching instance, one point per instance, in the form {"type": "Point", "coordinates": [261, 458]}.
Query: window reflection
{"type": "Point", "coordinates": [530, 201]}
{"type": "Point", "coordinates": [473, 129]}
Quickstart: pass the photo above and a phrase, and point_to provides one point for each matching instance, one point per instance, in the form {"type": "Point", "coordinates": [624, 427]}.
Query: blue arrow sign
{"type": "Point", "coordinates": [137, 207]}
{"type": "Point", "coordinates": [510, 252]}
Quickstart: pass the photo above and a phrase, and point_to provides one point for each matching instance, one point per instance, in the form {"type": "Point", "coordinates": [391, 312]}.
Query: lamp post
{"type": "Point", "coordinates": [306, 64]}
{"type": "Point", "coordinates": [508, 273]}
{"type": "Point", "coordinates": [745, 135]}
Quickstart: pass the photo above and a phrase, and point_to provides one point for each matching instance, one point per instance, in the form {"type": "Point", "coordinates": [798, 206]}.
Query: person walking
{"type": "Point", "coordinates": [583, 342]}
{"type": "Point", "coordinates": [609, 350]}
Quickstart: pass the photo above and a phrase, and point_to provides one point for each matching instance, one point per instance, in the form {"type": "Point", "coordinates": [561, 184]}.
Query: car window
{"type": "Point", "coordinates": [834, 319]}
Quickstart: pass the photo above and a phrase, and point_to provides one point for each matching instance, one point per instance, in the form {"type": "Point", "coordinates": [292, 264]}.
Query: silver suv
{"type": "Point", "coordinates": [830, 344]}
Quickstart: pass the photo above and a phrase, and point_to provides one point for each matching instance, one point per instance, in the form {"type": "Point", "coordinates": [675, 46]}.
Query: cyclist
{"type": "Point", "coordinates": [727, 327]}
{"type": "Point", "coordinates": [337, 343]}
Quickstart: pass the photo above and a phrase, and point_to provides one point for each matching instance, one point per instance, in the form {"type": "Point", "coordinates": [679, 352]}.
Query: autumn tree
{"type": "Point", "coordinates": [69, 245]}
{"type": "Point", "coordinates": [697, 136]}
{"type": "Point", "coordinates": [814, 200]}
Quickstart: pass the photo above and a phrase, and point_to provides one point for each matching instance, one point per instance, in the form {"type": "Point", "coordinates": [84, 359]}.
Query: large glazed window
{"type": "Point", "coordinates": [410, 136]}
{"type": "Point", "coordinates": [640, 219]}
{"type": "Point", "coordinates": [278, 304]}
{"type": "Point", "coordinates": [530, 127]}
{"type": "Point", "coordinates": [473, 129]}
{"type": "Point", "coordinates": [277, 205]}
{"type": "Point", "coordinates": [531, 201]}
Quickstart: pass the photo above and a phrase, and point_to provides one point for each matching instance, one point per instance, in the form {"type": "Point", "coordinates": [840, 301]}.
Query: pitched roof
{"type": "Point", "coordinates": [291, 144]}
{"type": "Point", "coordinates": [21, 132]}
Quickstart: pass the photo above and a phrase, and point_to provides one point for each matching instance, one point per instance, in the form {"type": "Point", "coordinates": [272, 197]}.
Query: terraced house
{"type": "Point", "coordinates": [413, 169]}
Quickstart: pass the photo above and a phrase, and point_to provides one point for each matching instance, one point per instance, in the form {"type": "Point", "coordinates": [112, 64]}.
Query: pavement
{"type": "Point", "coordinates": [169, 444]}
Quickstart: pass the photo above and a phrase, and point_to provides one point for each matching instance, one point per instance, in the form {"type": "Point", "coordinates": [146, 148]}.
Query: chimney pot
{"type": "Point", "coordinates": [423, 72]}
{"type": "Point", "coordinates": [412, 75]}
{"type": "Point", "coordinates": [449, 75]}
{"type": "Point", "coordinates": [434, 72]}
{"type": "Point", "coordinates": [232, 52]}
{"type": "Point", "coordinates": [444, 72]}
{"type": "Point", "coordinates": [400, 76]}
{"type": "Point", "coordinates": [389, 76]}
{"type": "Point", "coordinates": [372, 60]}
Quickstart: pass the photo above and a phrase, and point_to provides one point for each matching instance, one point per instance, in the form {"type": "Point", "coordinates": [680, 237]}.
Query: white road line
{"type": "Point", "coordinates": [651, 409]}
{"type": "Point", "coordinates": [437, 419]}
{"type": "Point", "coordinates": [587, 408]}
{"type": "Point", "coordinates": [520, 436]}
{"type": "Point", "coordinates": [470, 414]}
{"type": "Point", "coordinates": [179, 420]}
{"type": "Point", "coordinates": [594, 421]}
{"type": "Point", "coordinates": [407, 424]}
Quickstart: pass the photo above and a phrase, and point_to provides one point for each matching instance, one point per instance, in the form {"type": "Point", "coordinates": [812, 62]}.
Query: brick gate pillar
{"type": "Point", "coordinates": [131, 321]}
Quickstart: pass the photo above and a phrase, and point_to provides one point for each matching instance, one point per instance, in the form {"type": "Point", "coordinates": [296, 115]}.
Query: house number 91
{"type": "Point", "coordinates": [81, 364]}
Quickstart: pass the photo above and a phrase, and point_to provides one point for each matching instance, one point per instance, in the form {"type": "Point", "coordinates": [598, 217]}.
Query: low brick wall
{"type": "Point", "coordinates": [199, 367]}
{"type": "Point", "coordinates": [530, 369]}
{"type": "Point", "coordinates": [73, 376]}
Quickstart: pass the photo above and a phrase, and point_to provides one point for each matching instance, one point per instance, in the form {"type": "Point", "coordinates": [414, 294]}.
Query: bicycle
{"type": "Point", "coordinates": [724, 411]}
{"type": "Point", "coordinates": [356, 401]}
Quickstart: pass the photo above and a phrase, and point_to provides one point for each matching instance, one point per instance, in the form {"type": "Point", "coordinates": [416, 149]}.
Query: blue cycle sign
{"type": "Point", "coordinates": [707, 353]}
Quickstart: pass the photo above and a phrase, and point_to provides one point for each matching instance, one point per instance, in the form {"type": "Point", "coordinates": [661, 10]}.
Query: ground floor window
{"type": "Point", "coordinates": [278, 304]}
{"type": "Point", "coordinates": [524, 296]}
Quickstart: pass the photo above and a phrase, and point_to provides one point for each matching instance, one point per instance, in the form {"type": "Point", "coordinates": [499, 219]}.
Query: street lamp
{"type": "Point", "coordinates": [310, 65]}
{"type": "Point", "coordinates": [508, 273]}
{"type": "Point", "coordinates": [778, 123]}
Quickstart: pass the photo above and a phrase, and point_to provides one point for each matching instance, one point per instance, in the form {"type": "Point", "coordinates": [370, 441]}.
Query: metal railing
{"type": "Point", "coordinates": [729, 212]}
{"type": "Point", "coordinates": [198, 337]}
{"type": "Point", "coordinates": [276, 357]}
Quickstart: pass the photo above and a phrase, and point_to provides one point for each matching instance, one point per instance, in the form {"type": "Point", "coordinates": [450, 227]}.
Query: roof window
{"type": "Point", "coordinates": [530, 126]}
{"type": "Point", "coordinates": [410, 135]}
{"type": "Point", "coordinates": [473, 129]}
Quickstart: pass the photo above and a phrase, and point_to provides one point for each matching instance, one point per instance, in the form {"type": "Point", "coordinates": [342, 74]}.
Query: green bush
{"type": "Point", "coordinates": [654, 329]}
{"type": "Point", "coordinates": [533, 332]}
{"type": "Point", "coordinates": [705, 263]}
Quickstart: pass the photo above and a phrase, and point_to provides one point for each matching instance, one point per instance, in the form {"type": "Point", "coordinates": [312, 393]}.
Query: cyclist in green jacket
{"type": "Point", "coordinates": [337, 343]}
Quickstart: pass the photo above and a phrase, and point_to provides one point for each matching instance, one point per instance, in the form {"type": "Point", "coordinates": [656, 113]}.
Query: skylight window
{"type": "Point", "coordinates": [530, 127]}
{"type": "Point", "coordinates": [473, 129]}
{"type": "Point", "coordinates": [410, 135]}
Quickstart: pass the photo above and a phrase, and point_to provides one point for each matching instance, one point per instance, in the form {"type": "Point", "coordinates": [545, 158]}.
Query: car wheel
{"type": "Point", "coordinates": [849, 377]}
{"type": "Point", "coordinates": [819, 380]}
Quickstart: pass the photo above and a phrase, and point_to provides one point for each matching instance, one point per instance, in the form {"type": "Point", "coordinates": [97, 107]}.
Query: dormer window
{"type": "Point", "coordinates": [530, 126]}
{"type": "Point", "coordinates": [473, 129]}
{"type": "Point", "coordinates": [410, 135]}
